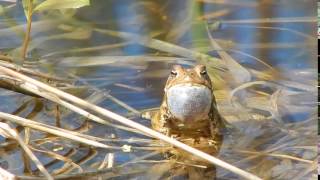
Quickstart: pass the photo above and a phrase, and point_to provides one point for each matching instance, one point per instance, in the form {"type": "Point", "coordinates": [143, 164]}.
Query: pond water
{"type": "Point", "coordinates": [119, 54]}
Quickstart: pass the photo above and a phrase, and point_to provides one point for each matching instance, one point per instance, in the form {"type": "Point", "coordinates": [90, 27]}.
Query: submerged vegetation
{"type": "Point", "coordinates": [74, 70]}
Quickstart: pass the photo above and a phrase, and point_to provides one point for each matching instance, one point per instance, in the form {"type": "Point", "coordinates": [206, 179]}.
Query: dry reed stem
{"type": "Point", "coordinates": [6, 128]}
{"type": "Point", "coordinates": [56, 99]}
{"type": "Point", "coordinates": [32, 72]}
{"type": "Point", "coordinates": [284, 156]}
{"type": "Point", "coordinates": [6, 175]}
{"type": "Point", "coordinates": [108, 95]}
{"type": "Point", "coordinates": [52, 130]}
{"type": "Point", "coordinates": [273, 20]}
{"type": "Point", "coordinates": [89, 49]}
{"type": "Point", "coordinates": [5, 58]}
{"type": "Point", "coordinates": [59, 157]}
{"type": "Point", "coordinates": [128, 122]}
{"type": "Point", "coordinates": [27, 34]}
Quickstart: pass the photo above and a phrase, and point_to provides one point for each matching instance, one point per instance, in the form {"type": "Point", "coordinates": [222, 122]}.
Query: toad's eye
{"type": "Point", "coordinates": [204, 72]}
{"type": "Point", "coordinates": [174, 73]}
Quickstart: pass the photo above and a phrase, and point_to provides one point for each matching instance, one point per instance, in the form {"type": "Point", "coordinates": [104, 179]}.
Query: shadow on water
{"type": "Point", "coordinates": [274, 112]}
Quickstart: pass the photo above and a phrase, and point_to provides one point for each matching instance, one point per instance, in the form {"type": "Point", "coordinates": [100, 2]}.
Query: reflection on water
{"type": "Point", "coordinates": [275, 112]}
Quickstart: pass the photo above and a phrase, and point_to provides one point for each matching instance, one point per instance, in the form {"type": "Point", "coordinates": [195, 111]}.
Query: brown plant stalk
{"type": "Point", "coordinates": [27, 34]}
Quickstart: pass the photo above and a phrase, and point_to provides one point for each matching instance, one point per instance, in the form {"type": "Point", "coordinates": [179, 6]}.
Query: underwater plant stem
{"type": "Point", "coordinates": [27, 34]}
{"type": "Point", "coordinates": [104, 112]}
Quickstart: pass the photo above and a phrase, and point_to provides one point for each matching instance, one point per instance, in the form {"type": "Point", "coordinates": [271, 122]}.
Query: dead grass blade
{"type": "Point", "coordinates": [6, 175]}
{"type": "Point", "coordinates": [52, 130]}
{"type": "Point", "coordinates": [283, 156]}
{"type": "Point", "coordinates": [167, 47]}
{"type": "Point", "coordinates": [59, 157]}
{"type": "Point", "coordinates": [70, 106]}
{"type": "Point", "coordinates": [273, 20]}
{"type": "Point", "coordinates": [240, 74]}
{"type": "Point", "coordinates": [104, 112]}
{"type": "Point", "coordinates": [12, 134]}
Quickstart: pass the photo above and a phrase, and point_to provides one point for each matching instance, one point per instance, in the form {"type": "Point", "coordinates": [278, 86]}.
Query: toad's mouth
{"type": "Point", "coordinates": [189, 102]}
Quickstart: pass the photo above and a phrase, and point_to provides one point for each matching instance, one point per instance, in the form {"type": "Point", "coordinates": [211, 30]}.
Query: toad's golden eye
{"type": "Point", "coordinates": [204, 72]}
{"type": "Point", "coordinates": [174, 73]}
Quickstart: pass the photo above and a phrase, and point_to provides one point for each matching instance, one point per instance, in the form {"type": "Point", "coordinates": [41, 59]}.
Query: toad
{"type": "Point", "coordinates": [189, 113]}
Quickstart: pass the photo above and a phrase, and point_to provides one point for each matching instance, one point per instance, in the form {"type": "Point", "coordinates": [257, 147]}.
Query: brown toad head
{"type": "Point", "coordinates": [188, 93]}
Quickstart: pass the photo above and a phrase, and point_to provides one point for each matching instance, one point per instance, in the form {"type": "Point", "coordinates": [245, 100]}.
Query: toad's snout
{"type": "Point", "coordinates": [188, 102]}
